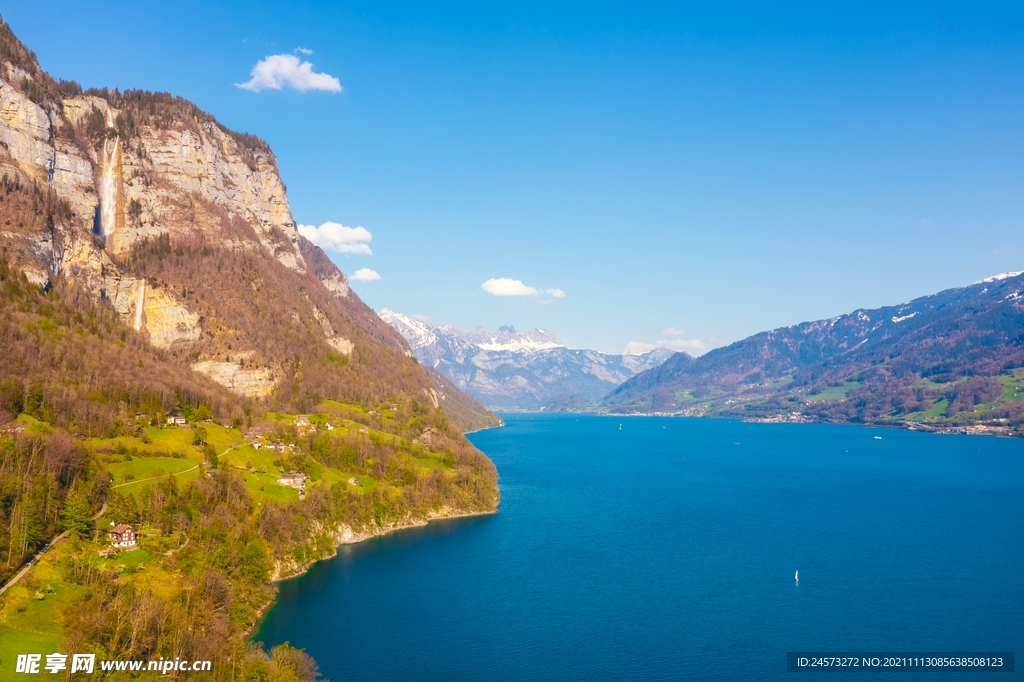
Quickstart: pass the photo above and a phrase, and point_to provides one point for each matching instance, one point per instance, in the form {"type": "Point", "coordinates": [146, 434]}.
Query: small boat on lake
{"type": "Point", "coordinates": [796, 576]}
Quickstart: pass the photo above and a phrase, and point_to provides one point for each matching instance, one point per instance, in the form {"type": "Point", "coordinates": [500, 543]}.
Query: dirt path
{"type": "Point", "coordinates": [179, 473]}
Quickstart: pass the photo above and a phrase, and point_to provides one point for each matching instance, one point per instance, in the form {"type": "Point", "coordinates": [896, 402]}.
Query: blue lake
{"type": "Point", "coordinates": [662, 549]}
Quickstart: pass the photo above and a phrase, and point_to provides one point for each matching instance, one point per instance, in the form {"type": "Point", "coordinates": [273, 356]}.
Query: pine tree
{"type": "Point", "coordinates": [75, 514]}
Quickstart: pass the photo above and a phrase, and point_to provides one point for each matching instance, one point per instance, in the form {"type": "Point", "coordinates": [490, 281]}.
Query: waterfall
{"type": "Point", "coordinates": [140, 299]}
{"type": "Point", "coordinates": [110, 184]}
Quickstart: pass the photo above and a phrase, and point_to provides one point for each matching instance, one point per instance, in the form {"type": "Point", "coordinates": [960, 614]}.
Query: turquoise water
{"type": "Point", "coordinates": [665, 549]}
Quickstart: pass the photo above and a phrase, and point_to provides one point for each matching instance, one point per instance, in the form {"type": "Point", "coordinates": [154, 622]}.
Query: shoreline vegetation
{"type": "Point", "coordinates": [222, 491]}
{"type": "Point", "coordinates": [188, 398]}
{"type": "Point", "coordinates": [500, 424]}
{"type": "Point", "coordinates": [348, 536]}
{"type": "Point", "coordinates": [191, 394]}
{"type": "Point", "coordinates": [220, 522]}
{"type": "Point", "coordinates": [195, 405]}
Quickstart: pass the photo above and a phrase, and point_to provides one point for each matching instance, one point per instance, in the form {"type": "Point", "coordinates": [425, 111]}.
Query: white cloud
{"type": "Point", "coordinates": [365, 275]}
{"type": "Point", "coordinates": [505, 286]}
{"type": "Point", "coordinates": [692, 346]}
{"type": "Point", "coordinates": [304, 50]}
{"type": "Point", "coordinates": [287, 70]}
{"type": "Point", "coordinates": [337, 237]}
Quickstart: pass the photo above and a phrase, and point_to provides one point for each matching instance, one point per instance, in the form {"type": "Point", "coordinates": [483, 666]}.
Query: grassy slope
{"type": "Point", "coordinates": [714, 401]}
{"type": "Point", "coordinates": [834, 392]}
{"type": "Point", "coordinates": [140, 455]}
{"type": "Point", "coordinates": [29, 624]}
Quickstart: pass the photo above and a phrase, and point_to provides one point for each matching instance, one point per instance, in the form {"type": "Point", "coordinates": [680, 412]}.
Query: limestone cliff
{"type": "Point", "coordinates": [42, 147]}
{"type": "Point", "coordinates": [183, 228]}
{"type": "Point", "coordinates": [130, 171]}
{"type": "Point", "coordinates": [255, 383]}
{"type": "Point", "coordinates": [181, 177]}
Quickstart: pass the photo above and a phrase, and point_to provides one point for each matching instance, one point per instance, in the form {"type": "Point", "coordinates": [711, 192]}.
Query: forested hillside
{"type": "Point", "coordinates": [953, 359]}
{"type": "Point", "coordinates": [176, 359]}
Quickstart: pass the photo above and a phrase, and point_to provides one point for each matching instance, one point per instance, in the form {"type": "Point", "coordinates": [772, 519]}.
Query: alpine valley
{"type": "Point", "coordinates": [178, 364]}
{"type": "Point", "coordinates": [512, 370]}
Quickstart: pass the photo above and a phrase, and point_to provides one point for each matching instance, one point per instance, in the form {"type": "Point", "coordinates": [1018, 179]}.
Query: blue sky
{"type": "Point", "coordinates": [683, 176]}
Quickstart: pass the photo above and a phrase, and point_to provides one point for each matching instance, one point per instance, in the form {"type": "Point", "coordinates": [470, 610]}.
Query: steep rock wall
{"type": "Point", "coordinates": [175, 178]}
{"type": "Point", "coordinates": [255, 383]}
{"type": "Point", "coordinates": [183, 227]}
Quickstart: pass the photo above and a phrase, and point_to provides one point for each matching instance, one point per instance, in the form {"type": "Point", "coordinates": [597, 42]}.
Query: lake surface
{"type": "Point", "coordinates": [665, 549]}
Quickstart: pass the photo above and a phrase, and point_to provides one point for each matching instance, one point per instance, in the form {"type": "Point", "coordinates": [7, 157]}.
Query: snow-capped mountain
{"type": "Point", "coordinates": [514, 370]}
{"type": "Point", "coordinates": [956, 351]}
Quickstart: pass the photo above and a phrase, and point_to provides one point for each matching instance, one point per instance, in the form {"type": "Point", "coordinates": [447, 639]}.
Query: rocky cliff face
{"type": "Point", "coordinates": [176, 178]}
{"type": "Point", "coordinates": [129, 171]}
{"type": "Point", "coordinates": [183, 227]}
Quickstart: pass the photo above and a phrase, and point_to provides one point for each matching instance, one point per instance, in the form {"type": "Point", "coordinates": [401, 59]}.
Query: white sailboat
{"type": "Point", "coordinates": [796, 576]}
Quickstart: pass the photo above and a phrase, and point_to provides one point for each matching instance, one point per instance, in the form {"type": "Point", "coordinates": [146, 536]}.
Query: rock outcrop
{"type": "Point", "coordinates": [181, 179]}
{"type": "Point", "coordinates": [42, 147]}
{"type": "Point", "coordinates": [255, 383]}
{"type": "Point", "coordinates": [329, 539]}
{"type": "Point", "coordinates": [149, 205]}
{"type": "Point", "coordinates": [128, 178]}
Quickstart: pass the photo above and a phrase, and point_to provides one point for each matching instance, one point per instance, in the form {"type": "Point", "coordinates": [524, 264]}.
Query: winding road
{"type": "Point", "coordinates": [49, 545]}
{"type": "Point", "coordinates": [39, 555]}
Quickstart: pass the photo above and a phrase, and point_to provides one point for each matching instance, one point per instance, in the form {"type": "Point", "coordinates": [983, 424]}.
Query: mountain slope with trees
{"type": "Point", "coordinates": [953, 358]}
{"type": "Point", "coordinates": [151, 270]}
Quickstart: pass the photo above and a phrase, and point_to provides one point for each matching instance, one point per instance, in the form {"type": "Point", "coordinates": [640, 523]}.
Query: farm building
{"type": "Point", "coordinates": [123, 536]}
{"type": "Point", "coordinates": [294, 479]}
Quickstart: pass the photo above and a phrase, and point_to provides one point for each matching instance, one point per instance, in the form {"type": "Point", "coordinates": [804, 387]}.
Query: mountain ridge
{"type": "Point", "coordinates": [892, 364]}
{"type": "Point", "coordinates": [512, 370]}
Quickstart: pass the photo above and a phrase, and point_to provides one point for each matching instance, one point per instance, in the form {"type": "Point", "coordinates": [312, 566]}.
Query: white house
{"type": "Point", "coordinates": [123, 536]}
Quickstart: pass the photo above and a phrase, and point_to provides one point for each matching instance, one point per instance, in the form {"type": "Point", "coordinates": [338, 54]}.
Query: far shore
{"type": "Point", "coordinates": [923, 427]}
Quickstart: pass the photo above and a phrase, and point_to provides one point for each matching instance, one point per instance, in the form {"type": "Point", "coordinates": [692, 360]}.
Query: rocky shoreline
{"type": "Point", "coordinates": [346, 535]}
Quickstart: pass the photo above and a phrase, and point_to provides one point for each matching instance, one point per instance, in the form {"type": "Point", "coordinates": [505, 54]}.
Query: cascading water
{"type": "Point", "coordinates": [110, 181]}
{"type": "Point", "coordinates": [140, 300]}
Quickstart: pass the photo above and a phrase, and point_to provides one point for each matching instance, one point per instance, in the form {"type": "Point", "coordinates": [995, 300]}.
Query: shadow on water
{"type": "Point", "coordinates": [321, 576]}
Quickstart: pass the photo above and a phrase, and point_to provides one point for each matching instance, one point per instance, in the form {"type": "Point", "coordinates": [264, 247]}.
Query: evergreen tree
{"type": "Point", "coordinates": [75, 516]}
